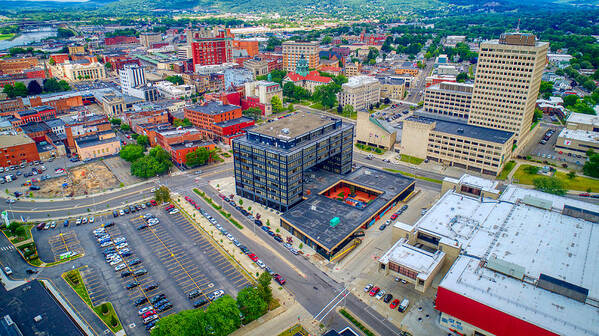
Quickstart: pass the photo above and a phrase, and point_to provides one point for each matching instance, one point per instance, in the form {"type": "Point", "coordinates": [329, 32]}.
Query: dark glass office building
{"type": "Point", "coordinates": [271, 159]}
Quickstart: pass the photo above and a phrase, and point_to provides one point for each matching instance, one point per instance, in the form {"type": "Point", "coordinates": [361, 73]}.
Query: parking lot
{"type": "Point", "coordinates": [95, 285]}
{"type": "Point", "coordinates": [64, 244]}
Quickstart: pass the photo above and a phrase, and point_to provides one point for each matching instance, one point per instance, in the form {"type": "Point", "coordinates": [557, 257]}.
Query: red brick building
{"type": "Point", "coordinates": [15, 149]}
{"type": "Point", "coordinates": [60, 58]}
{"type": "Point", "coordinates": [60, 102]}
{"type": "Point", "coordinates": [34, 114]}
{"type": "Point", "coordinates": [9, 66]}
{"type": "Point", "coordinates": [228, 130]}
{"type": "Point", "coordinates": [180, 150]}
{"type": "Point", "coordinates": [209, 113]}
{"type": "Point", "coordinates": [121, 40]}
{"type": "Point", "coordinates": [211, 47]}
{"type": "Point", "coordinates": [9, 106]}
{"type": "Point", "coordinates": [119, 62]}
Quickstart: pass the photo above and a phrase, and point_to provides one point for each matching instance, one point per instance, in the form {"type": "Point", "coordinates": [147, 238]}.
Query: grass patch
{"type": "Point", "coordinates": [357, 323]}
{"type": "Point", "coordinates": [317, 106]}
{"type": "Point", "coordinates": [9, 36]}
{"type": "Point", "coordinates": [411, 159]}
{"type": "Point", "coordinates": [20, 234]}
{"type": "Point", "coordinates": [54, 263]}
{"type": "Point", "coordinates": [218, 208]}
{"type": "Point", "coordinates": [296, 329]}
{"type": "Point", "coordinates": [579, 183]}
{"type": "Point", "coordinates": [423, 178]}
{"type": "Point", "coordinates": [73, 278]}
{"type": "Point", "coordinates": [506, 170]}
{"type": "Point", "coordinates": [369, 149]}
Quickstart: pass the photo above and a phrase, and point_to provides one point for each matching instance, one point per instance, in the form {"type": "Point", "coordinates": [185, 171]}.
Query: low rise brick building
{"type": "Point", "coordinates": [17, 148]}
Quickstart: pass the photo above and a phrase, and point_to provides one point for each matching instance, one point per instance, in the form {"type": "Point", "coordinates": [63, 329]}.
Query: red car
{"type": "Point", "coordinates": [280, 279]}
{"type": "Point", "coordinates": [187, 198]}
{"type": "Point", "coordinates": [394, 216]}
{"type": "Point", "coordinates": [374, 291]}
{"type": "Point", "coordinates": [394, 304]}
{"type": "Point", "coordinates": [153, 202]}
{"type": "Point", "coordinates": [169, 207]}
{"type": "Point", "coordinates": [148, 313]}
{"type": "Point", "coordinates": [253, 257]}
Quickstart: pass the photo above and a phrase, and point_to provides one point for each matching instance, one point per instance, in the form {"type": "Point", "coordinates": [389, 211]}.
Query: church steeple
{"type": "Point", "coordinates": [301, 68]}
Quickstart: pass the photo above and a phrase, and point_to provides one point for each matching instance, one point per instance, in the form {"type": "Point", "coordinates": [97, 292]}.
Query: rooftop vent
{"type": "Point", "coordinates": [285, 131]}
{"type": "Point", "coordinates": [460, 130]}
{"type": "Point", "coordinates": [334, 221]}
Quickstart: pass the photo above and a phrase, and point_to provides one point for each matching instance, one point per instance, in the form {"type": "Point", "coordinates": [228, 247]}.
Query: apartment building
{"type": "Point", "coordinates": [392, 88]}
{"type": "Point", "coordinates": [133, 83]}
{"type": "Point", "coordinates": [451, 100]}
{"type": "Point", "coordinates": [207, 114]}
{"type": "Point", "coordinates": [507, 81]}
{"type": "Point", "coordinates": [293, 51]}
{"type": "Point", "coordinates": [360, 92]}
{"type": "Point", "coordinates": [76, 50]}
{"type": "Point", "coordinates": [474, 148]}
{"type": "Point", "coordinates": [16, 65]}
{"type": "Point", "coordinates": [146, 39]}
{"type": "Point", "coordinates": [258, 66]}
{"type": "Point", "coordinates": [270, 159]}
{"type": "Point", "coordinates": [352, 69]}
{"type": "Point", "coordinates": [210, 46]}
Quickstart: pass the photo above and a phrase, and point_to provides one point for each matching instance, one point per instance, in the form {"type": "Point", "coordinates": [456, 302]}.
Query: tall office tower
{"type": "Point", "coordinates": [271, 159]}
{"type": "Point", "coordinates": [508, 77]}
{"type": "Point", "coordinates": [132, 76]}
{"type": "Point", "coordinates": [293, 51]}
{"type": "Point", "coordinates": [210, 46]}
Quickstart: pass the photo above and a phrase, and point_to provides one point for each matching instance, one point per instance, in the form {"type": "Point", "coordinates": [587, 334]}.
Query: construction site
{"type": "Point", "coordinates": [82, 180]}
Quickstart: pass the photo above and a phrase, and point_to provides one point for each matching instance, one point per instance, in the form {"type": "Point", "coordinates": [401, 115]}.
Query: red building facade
{"type": "Point", "coordinates": [211, 48]}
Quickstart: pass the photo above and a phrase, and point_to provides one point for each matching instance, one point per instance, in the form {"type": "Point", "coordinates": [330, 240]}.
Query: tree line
{"type": "Point", "coordinates": [34, 88]}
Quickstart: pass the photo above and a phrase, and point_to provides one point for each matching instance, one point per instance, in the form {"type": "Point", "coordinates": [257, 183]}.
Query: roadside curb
{"type": "Point", "coordinates": [338, 310]}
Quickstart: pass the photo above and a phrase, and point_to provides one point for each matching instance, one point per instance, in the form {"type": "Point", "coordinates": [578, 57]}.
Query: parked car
{"type": "Point", "coordinates": [403, 306]}
{"type": "Point", "coordinates": [151, 286]}
{"type": "Point", "coordinates": [387, 298]}
{"type": "Point", "coordinates": [380, 294]}
{"type": "Point", "coordinates": [132, 285]}
{"type": "Point", "coordinates": [394, 304]}
{"type": "Point", "coordinates": [278, 278]}
{"type": "Point", "coordinates": [374, 291]}
{"type": "Point", "coordinates": [194, 294]}
{"type": "Point", "coordinates": [199, 303]}
{"type": "Point", "coordinates": [140, 301]}
{"type": "Point", "coordinates": [7, 270]}
{"type": "Point", "coordinates": [145, 309]}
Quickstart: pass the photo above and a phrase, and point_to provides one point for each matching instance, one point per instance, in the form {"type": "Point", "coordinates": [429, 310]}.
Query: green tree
{"type": "Point", "coordinates": [175, 79]}
{"type": "Point", "coordinates": [20, 90]}
{"type": "Point", "coordinates": [34, 88]}
{"type": "Point", "coordinates": [197, 157]}
{"type": "Point", "coordinates": [143, 140]}
{"type": "Point", "coordinates": [570, 100]}
{"type": "Point", "coordinates": [162, 194]}
{"type": "Point", "coordinates": [272, 43]}
{"type": "Point", "coordinates": [545, 88]}
{"type": "Point", "coordinates": [531, 170]}
{"type": "Point", "coordinates": [104, 308]}
{"type": "Point", "coordinates": [277, 105]}
{"type": "Point", "coordinates": [550, 185]}
{"type": "Point", "coordinates": [348, 111]}
{"type": "Point", "coordinates": [52, 61]}
{"type": "Point", "coordinates": [538, 114]}
{"type": "Point", "coordinates": [326, 40]}
{"type": "Point", "coordinates": [131, 153]}
{"type": "Point", "coordinates": [9, 90]}
{"type": "Point", "coordinates": [160, 154]}
{"type": "Point", "coordinates": [108, 65]}
{"type": "Point", "coordinates": [462, 77]}
{"type": "Point", "coordinates": [145, 167]}
{"type": "Point", "coordinates": [125, 127]}
{"type": "Point", "coordinates": [264, 287]}
{"type": "Point", "coordinates": [64, 32]}
{"type": "Point", "coordinates": [64, 85]}
{"type": "Point", "coordinates": [591, 166]}
{"type": "Point", "coordinates": [325, 95]}
{"type": "Point", "coordinates": [51, 85]}
{"type": "Point", "coordinates": [251, 304]}
{"type": "Point", "coordinates": [115, 121]}
{"type": "Point", "coordinates": [253, 112]}
{"type": "Point", "coordinates": [182, 122]}
{"type": "Point", "coordinates": [571, 175]}
{"type": "Point", "coordinates": [589, 84]}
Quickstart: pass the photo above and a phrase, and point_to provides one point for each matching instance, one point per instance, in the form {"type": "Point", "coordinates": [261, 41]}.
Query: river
{"type": "Point", "coordinates": [28, 37]}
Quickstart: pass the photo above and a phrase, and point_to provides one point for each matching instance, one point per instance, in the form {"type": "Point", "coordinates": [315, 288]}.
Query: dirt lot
{"type": "Point", "coordinates": [82, 180]}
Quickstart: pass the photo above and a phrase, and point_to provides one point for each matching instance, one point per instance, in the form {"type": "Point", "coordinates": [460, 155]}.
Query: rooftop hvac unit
{"type": "Point", "coordinates": [285, 131]}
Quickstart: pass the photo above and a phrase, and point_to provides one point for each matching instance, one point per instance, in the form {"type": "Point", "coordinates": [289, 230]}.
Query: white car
{"type": "Point", "coordinates": [120, 240]}
{"type": "Point", "coordinates": [121, 213]}
{"type": "Point", "coordinates": [218, 294]}
{"type": "Point", "coordinates": [380, 294]}
{"type": "Point", "coordinates": [260, 263]}
{"type": "Point", "coordinates": [106, 244]}
{"type": "Point", "coordinates": [150, 318]}
{"type": "Point", "coordinates": [125, 250]}
{"type": "Point", "coordinates": [116, 261]}
{"type": "Point", "coordinates": [145, 309]}
{"type": "Point", "coordinates": [368, 287]}
{"type": "Point", "coordinates": [91, 219]}
{"type": "Point", "coordinates": [78, 221]}
{"type": "Point", "coordinates": [153, 189]}
{"type": "Point", "coordinates": [122, 245]}
{"type": "Point", "coordinates": [174, 211]}
{"type": "Point", "coordinates": [230, 237]}
{"type": "Point", "coordinates": [7, 270]}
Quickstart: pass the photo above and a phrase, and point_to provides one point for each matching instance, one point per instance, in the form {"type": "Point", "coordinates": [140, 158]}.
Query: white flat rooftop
{"type": "Point", "coordinates": [475, 181]}
{"type": "Point", "coordinates": [537, 239]}
{"type": "Point", "coordinates": [416, 259]}
{"type": "Point", "coordinates": [581, 118]}
{"type": "Point", "coordinates": [579, 135]}
{"type": "Point", "coordinates": [535, 305]}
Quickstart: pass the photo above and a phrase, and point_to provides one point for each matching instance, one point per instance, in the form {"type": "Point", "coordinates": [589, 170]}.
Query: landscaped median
{"type": "Point", "coordinates": [527, 174]}
{"type": "Point", "coordinates": [355, 322]}
{"type": "Point", "coordinates": [424, 178]}
{"type": "Point", "coordinates": [105, 311]}
{"type": "Point", "coordinates": [218, 208]}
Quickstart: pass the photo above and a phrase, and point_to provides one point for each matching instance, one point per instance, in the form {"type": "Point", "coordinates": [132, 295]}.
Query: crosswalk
{"type": "Point", "coordinates": [7, 248]}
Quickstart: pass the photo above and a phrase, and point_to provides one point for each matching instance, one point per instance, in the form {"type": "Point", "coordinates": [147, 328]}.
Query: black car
{"type": "Point", "coordinates": [244, 249]}
{"type": "Point", "coordinates": [151, 325]}
{"type": "Point", "coordinates": [194, 294]}
{"type": "Point", "coordinates": [140, 272]}
{"type": "Point", "coordinates": [258, 222]}
{"type": "Point", "coordinates": [31, 271]}
{"type": "Point", "coordinates": [200, 303]}
{"type": "Point", "coordinates": [126, 210]}
{"type": "Point", "coordinates": [161, 303]}
{"type": "Point", "coordinates": [165, 307]}
{"type": "Point", "coordinates": [125, 254]}
{"type": "Point", "coordinates": [387, 298]}
{"type": "Point", "coordinates": [132, 285]}
{"type": "Point", "coordinates": [137, 207]}
{"type": "Point", "coordinates": [157, 298]}
{"type": "Point", "coordinates": [382, 227]}
{"type": "Point", "coordinates": [134, 262]}
{"type": "Point", "coordinates": [279, 239]}
{"type": "Point", "coordinates": [404, 208]}
{"type": "Point", "coordinates": [140, 301]}
{"type": "Point", "coordinates": [142, 226]}
{"type": "Point", "coordinates": [125, 274]}
{"type": "Point", "coordinates": [115, 213]}
{"type": "Point", "coordinates": [109, 224]}
{"type": "Point", "coordinates": [151, 286]}
{"type": "Point", "coordinates": [244, 212]}
{"type": "Point", "coordinates": [132, 208]}
{"type": "Point", "coordinates": [148, 204]}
